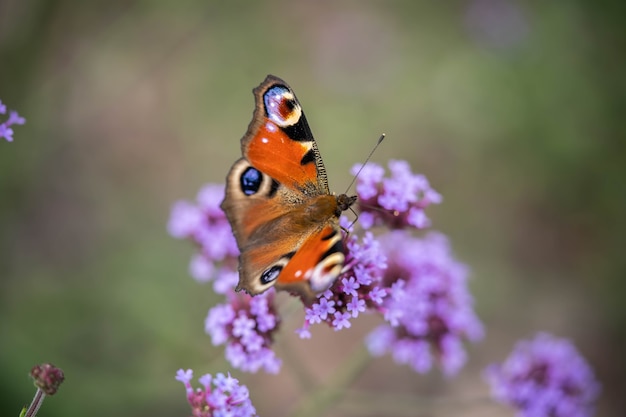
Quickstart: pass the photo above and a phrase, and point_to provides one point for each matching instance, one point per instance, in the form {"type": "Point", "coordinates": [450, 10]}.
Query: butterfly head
{"type": "Point", "coordinates": [344, 202]}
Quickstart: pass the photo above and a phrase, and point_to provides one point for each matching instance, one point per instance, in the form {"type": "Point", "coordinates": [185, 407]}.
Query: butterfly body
{"type": "Point", "coordinates": [285, 220]}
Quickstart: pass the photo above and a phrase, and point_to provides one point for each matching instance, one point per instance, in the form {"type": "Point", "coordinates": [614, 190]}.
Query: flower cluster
{"type": "Point", "coordinates": [396, 202]}
{"type": "Point", "coordinates": [14, 119]}
{"type": "Point", "coordinates": [428, 309]}
{"type": "Point", "coordinates": [246, 325]}
{"type": "Point", "coordinates": [545, 377]}
{"type": "Point", "coordinates": [222, 396]}
{"type": "Point", "coordinates": [415, 284]}
{"type": "Point", "coordinates": [205, 224]}
{"type": "Point", "coordinates": [357, 289]}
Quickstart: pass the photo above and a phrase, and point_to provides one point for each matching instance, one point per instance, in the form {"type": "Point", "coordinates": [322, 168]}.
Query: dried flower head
{"type": "Point", "coordinates": [47, 377]}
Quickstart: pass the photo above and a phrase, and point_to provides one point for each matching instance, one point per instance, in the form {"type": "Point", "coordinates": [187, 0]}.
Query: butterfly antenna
{"type": "Point", "coordinates": [380, 139]}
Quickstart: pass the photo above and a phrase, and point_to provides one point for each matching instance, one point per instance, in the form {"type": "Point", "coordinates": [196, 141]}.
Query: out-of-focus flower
{"type": "Point", "coordinates": [205, 224]}
{"type": "Point", "coordinates": [220, 397]}
{"type": "Point", "coordinates": [14, 119]}
{"type": "Point", "coordinates": [246, 325]}
{"type": "Point", "coordinates": [47, 377]}
{"type": "Point", "coordinates": [497, 24]}
{"type": "Point", "coordinates": [428, 307]}
{"type": "Point", "coordinates": [396, 202]}
{"type": "Point", "coordinates": [545, 377]}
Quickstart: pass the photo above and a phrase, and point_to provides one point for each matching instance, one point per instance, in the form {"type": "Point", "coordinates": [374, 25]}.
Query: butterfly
{"type": "Point", "coordinates": [283, 216]}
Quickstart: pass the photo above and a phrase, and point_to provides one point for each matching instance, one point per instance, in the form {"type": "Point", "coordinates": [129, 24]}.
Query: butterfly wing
{"type": "Point", "coordinates": [279, 141]}
{"type": "Point", "coordinates": [278, 203]}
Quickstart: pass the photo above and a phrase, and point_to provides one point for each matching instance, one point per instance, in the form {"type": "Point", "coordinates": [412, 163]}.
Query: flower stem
{"type": "Point", "coordinates": [327, 394]}
{"type": "Point", "coordinates": [35, 404]}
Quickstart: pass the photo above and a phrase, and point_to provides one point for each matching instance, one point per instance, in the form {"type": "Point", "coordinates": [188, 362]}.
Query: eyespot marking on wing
{"type": "Point", "coordinates": [281, 106]}
{"type": "Point", "coordinates": [250, 181]}
{"type": "Point", "coordinates": [270, 274]}
{"type": "Point", "coordinates": [247, 181]}
{"type": "Point", "coordinates": [325, 272]}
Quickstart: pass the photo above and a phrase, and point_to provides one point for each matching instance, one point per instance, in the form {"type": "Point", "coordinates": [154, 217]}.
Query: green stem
{"type": "Point", "coordinates": [326, 395]}
{"type": "Point", "coordinates": [35, 404]}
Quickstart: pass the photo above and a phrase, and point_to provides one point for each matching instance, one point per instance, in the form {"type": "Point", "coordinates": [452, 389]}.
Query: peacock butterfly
{"type": "Point", "coordinates": [284, 218]}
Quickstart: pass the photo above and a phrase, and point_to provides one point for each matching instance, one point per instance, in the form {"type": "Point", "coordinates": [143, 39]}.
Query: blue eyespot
{"type": "Point", "coordinates": [271, 274]}
{"type": "Point", "coordinates": [281, 106]}
{"type": "Point", "coordinates": [250, 181]}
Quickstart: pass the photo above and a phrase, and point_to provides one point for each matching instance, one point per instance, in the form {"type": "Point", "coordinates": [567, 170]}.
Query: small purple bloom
{"type": "Point", "coordinates": [221, 396]}
{"type": "Point", "coordinates": [398, 201]}
{"type": "Point", "coordinates": [311, 315]}
{"type": "Point", "coordinates": [356, 306]}
{"type": "Point", "coordinates": [341, 320]}
{"type": "Point", "coordinates": [15, 119]}
{"type": "Point", "coordinates": [350, 286]}
{"type": "Point", "coordinates": [303, 332]}
{"type": "Point", "coordinates": [545, 377]}
{"type": "Point", "coordinates": [204, 380]}
{"type": "Point", "coordinates": [377, 294]}
{"type": "Point", "coordinates": [324, 308]}
{"type": "Point", "coordinates": [6, 131]}
{"type": "Point", "coordinates": [247, 326]}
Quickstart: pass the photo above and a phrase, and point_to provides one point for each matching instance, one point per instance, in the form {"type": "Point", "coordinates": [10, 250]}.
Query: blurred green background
{"type": "Point", "coordinates": [514, 111]}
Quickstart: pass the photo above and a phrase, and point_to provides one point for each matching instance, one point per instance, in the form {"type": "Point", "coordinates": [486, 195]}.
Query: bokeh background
{"type": "Point", "coordinates": [513, 109]}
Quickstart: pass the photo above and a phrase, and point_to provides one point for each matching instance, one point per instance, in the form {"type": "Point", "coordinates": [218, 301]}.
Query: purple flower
{"type": "Point", "coordinates": [356, 306]}
{"type": "Point", "coordinates": [246, 325]}
{"type": "Point", "coordinates": [350, 286]}
{"type": "Point", "coordinates": [341, 320]}
{"type": "Point", "coordinates": [350, 295]}
{"type": "Point", "coordinates": [205, 224]}
{"type": "Point", "coordinates": [545, 377]}
{"type": "Point", "coordinates": [428, 306]}
{"type": "Point", "coordinates": [396, 202]}
{"type": "Point", "coordinates": [415, 284]}
{"type": "Point", "coordinates": [220, 396]}
{"type": "Point", "coordinates": [14, 119]}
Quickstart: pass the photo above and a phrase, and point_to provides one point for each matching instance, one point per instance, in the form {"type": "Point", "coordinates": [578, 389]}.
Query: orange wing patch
{"type": "Point", "coordinates": [319, 261]}
{"type": "Point", "coordinates": [280, 157]}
